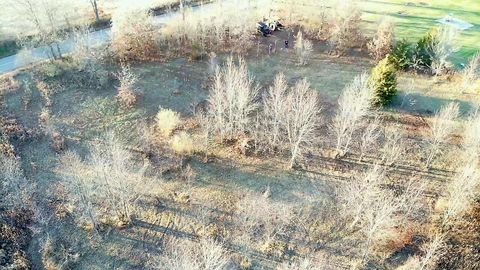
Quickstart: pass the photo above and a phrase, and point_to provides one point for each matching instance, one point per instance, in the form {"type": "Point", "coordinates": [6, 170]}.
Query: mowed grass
{"type": "Point", "coordinates": [414, 18]}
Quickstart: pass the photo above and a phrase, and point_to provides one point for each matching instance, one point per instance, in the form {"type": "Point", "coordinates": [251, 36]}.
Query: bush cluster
{"type": "Point", "coordinates": [415, 55]}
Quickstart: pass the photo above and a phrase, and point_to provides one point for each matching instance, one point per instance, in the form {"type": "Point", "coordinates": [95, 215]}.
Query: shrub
{"type": "Point", "coordinates": [184, 254]}
{"type": "Point", "coordinates": [15, 189]}
{"type": "Point", "coordinates": [384, 40]}
{"type": "Point", "coordinates": [402, 54]}
{"type": "Point", "coordinates": [383, 80]}
{"type": "Point", "coordinates": [134, 35]}
{"type": "Point", "coordinates": [442, 49]}
{"type": "Point", "coordinates": [167, 120]}
{"type": "Point", "coordinates": [183, 144]}
{"type": "Point", "coordinates": [423, 54]}
{"type": "Point", "coordinates": [303, 48]}
{"type": "Point", "coordinates": [127, 95]}
{"type": "Point", "coordinates": [442, 128]}
{"type": "Point", "coordinates": [471, 73]}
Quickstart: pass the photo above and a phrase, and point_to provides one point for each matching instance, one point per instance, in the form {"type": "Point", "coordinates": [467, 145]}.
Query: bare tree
{"type": "Point", "coordinates": [250, 216]}
{"type": "Point", "coordinates": [49, 19]}
{"type": "Point", "coordinates": [370, 136]}
{"type": "Point", "coordinates": [393, 148]}
{"type": "Point", "coordinates": [383, 41]}
{"type": "Point", "coordinates": [82, 189]}
{"type": "Point", "coordinates": [358, 193]}
{"type": "Point", "coordinates": [185, 254]}
{"type": "Point", "coordinates": [94, 5]}
{"type": "Point", "coordinates": [274, 111]}
{"type": "Point", "coordinates": [303, 264]}
{"type": "Point", "coordinates": [345, 26]}
{"type": "Point", "coordinates": [375, 210]}
{"type": "Point", "coordinates": [303, 48]}
{"type": "Point", "coordinates": [206, 29]}
{"type": "Point", "coordinates": [432, 252]}
{"type": "Point", "coordinates": [442, 127]}
{"type": "Point", "coordinates": [442, 48]}
{"type": "Point", "coordinates": [15, 189]}
{"type": "Point", "coordinates": [470, 74]}
{"type": "Point", "coordinates": [471, 138]}
{"type": "Point", "coordinates": [108, 180]}
{"type": "Point", "coordinates": [354, 103]}
{"type": "Point", "coordinates": [301, 118]}
{"type": "Point", "coordinates": [461, 192]}
{"type": "Point", "coordinates": [232, 99]}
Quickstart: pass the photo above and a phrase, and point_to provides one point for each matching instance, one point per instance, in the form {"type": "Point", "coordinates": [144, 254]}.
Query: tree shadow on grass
{"type": "Point", "coordinates": [285, 185]}
{"type": "Point", "coordinates": [425, 105]}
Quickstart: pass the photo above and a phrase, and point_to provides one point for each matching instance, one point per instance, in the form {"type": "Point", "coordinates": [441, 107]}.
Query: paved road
{"type": "Point", "coordinates": [100, 37]}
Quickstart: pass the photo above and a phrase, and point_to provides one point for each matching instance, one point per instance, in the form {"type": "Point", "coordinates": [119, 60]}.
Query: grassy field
{"type": "Point", "coordinates": [83, 113]}
{"type": "Point", "coordinates": [263, 212]}
{"type": "Point", "coordinates": [414, 18]}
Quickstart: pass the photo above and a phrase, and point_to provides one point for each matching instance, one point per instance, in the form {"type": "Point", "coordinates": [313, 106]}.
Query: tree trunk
{"type": "Point", "coordinates": [95, 10]}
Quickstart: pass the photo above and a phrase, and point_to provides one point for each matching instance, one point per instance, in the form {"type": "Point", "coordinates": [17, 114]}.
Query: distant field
{"type": "Point", "coordinates": [414, 18]}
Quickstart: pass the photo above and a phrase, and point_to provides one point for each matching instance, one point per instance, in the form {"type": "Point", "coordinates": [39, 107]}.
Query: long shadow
{"type": "Point", "coordinates": [285, 185]}
{"type": "Point", "coordinates": [425, 105]}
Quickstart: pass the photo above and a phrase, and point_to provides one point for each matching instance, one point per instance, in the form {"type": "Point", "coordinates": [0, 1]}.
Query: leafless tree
{"type": "Point", "coordinates": [82, 189]}
{"type": "Point", "coordinates": [345, 26]}
{"type": "Point", "coordinates": [354, 103]}
{"type": "Point", "coordinates": [359, 193]}
{"type": "Point", "coordinates": [375, 210]}
{"type": "Point", "coordinates": [250, 216]}
{"type": "Point", "coordinates": [274, 108]}
{"type": "Point", "coordinates": [471, 138]}
{"type": "Point", "coordinates": [432, 252]}
{"type": "Point", "coordinates": [48, 18]}
{"type": "Point", "coordinates": [370, 136]}
{"type": "Point", "coordinates": [471, 73]}
{"type": "Point", "coordinates": [303, 264]}
{"type": "Point", "coordinates": [303, 48]}
{"type": "Point", "coordinates": [301, 118]}
{"type": "Point", "coordinates": [108, 180]}
{"type": "Point", "coordinates": [185, 254]}
{"type": "Point", "coordinates": [15, 189]}
{"type": "Point", "coordinates": [442, 48]}
{"type": "Point", "coordinates": [461, 192]}
{"type": "Point", "coordinates": [206, 29]}
{"type": "Point", "coordinates": [87, 56]}
{"type": "Point", "coordinates": [383, 41]}
{"type": "Point", "coordinates": [94, 5]}
{"type": "Point", "coordinates": [393, 148]}
{"type": "Point", "coordinates": [232, 99]}
{"type": "Point", "coordinates": [442, 127]}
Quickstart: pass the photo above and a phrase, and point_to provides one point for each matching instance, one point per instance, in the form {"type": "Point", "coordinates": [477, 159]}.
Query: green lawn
{"type": "Point", "coordinates": [418, 17]}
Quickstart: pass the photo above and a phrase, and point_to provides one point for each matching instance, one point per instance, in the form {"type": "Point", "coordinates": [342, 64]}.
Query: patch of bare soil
{"type": "Point", "coordinates": [463, 243]}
